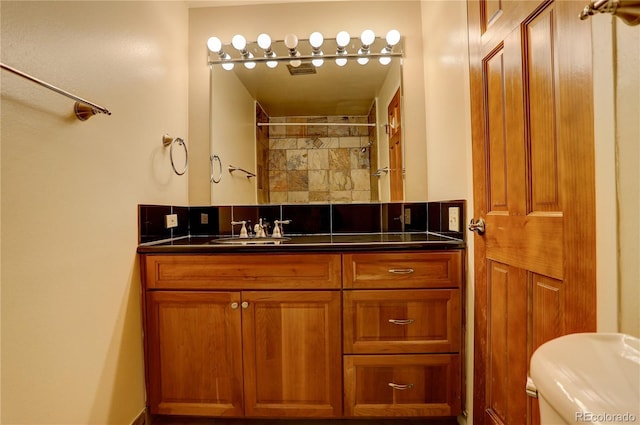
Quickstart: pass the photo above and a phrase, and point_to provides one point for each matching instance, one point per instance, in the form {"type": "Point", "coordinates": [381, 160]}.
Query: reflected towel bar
{"type": "Point", "coordinates": [248, 173]}
{"type": "Point", "coordinates": [82, 108]}
{"type": "Point", "coordinates": [317, 124]}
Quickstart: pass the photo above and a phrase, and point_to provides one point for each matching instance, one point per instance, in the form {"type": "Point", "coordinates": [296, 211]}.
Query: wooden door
{"type": "Point", "coordinates": [533, 171]}
{"type": "Point", "coordinates": [195, 353]}
{"type": "Point", "coordinates": [292, 354]}
{"type": "Point", "coordinates": [396, 167]}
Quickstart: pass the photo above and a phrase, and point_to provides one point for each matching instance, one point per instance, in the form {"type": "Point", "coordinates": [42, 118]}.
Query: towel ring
{"type": "Point", "coordinates": [211, 160]}
{"type": "Point", "coordinates": [169, 141]}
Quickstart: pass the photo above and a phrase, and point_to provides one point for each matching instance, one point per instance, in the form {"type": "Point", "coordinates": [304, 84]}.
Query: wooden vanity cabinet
{"type": "Point", "coordinates": [219, 344]}
{"type": "Point", "coordinates": [402, 333]}
{"type": "Point", "coordinates": [281, 335]}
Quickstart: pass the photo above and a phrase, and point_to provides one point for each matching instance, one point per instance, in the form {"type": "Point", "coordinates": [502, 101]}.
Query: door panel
{"type": "Point", "coordinates": [195, 364]}
{"type": "Point", "coordinates": [534, 187]}
{"type": "Point", "coordinates": [284, 333]}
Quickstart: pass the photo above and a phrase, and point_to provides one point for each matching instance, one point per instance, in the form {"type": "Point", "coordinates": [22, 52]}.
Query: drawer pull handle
{"type": "Point", "coordinates": [401, 271]}
{"type": "Point", "coordinates": [234, 305]}
{"type": "Point", "coordinates": [245, 304]}
{"type": "Point", "coordinates": [401, 321]}
{"type": "Point", "coordinates": [400, 387]}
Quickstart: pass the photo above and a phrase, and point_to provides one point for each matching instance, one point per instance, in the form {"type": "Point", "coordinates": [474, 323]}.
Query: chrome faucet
{"type": "Point", "coordinates": [277, 231]}
{"type": "Point", "coordinates": [261, 228]}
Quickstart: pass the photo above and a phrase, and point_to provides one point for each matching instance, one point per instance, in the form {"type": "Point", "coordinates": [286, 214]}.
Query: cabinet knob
{"type": "Point", "coordinates": [234, 305]}
{"type": "Point", "coordinates": [245, 304]}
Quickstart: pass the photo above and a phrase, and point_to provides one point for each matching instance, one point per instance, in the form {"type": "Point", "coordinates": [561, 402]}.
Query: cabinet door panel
{"type": "Point", "coordinates": [415, 321]}
{"type": "Point", "coordinates": [292, 354]}
{"type": "Point", "coordinates": [194, 353]}
{"type": "Point", "coordinates": [402, 385]}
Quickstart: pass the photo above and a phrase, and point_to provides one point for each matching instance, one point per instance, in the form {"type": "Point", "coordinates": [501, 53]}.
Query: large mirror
{"type": "Point", "coordinates": [308, 134]}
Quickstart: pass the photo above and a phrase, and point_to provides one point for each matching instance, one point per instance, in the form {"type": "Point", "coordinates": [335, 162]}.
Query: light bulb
{"type": "Point", "coordinates": [264, 41]}
{"type": "Point", "coordinates": [385, 60]}
{"type": "Point", "coordinates": [317, 62]}
{"type": "Point", "coordinates": [249, 65]}
{"type": "Point", "coordinates": [341, 61]}
{"type": "Point", "coordinates": [343, 38]}
{"type": "Point", "coordinates": [393, 37]}
{"type": "Point", "coordinates": [238, 42]}
{"type": "Point", "coordinates": [367, 37]}
{"type": "Point", "coordinates": [316, 39]}
{"type": "Point", "coordinates": [363, 60]}
{"type": "Point", "coordinates": [291, 41]}
{"type": "Point", "coordinates": [228, 66]}
{"type": "Point", "coordinates": [214, 44]}
{"type": "Point", "coordinates": [272, 64]}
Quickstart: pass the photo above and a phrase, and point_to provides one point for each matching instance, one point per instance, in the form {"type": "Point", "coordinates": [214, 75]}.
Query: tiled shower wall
{"type": "Point", "coordinates": [321, 163]}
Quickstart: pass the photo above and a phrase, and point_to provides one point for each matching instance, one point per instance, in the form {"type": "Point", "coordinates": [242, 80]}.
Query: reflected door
{"type": "Point", "coordinates": [533, 172]}
{"type": "Point", "coordinates": [395, 148]}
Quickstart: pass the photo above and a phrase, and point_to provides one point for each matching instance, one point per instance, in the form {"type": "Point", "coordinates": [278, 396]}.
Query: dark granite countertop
{"type": "Point", "coordinates": [302, 243]}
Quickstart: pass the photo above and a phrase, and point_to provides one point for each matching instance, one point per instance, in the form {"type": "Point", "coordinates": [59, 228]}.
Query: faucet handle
{"type": "Point", "coordinates": [277, 231]}
{"type": "Point", "coordinates": [243, 231]}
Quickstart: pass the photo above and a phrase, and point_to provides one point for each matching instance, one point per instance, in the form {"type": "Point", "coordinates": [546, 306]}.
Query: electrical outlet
{"type": "Point", "coordinates": [171, 221]}
{"type": "Point", "coordinates": [454, 219]}
{"type": "Point", "coordinates": [407, 216]}
{"type": "Point", "coordinates": [204, 218]}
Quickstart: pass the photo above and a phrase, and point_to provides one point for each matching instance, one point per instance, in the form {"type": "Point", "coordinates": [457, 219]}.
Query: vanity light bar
{"type": "Point", "coordinates": [288, 50]}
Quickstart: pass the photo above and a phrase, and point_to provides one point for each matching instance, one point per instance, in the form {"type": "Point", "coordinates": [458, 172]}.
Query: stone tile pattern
{"type": "Point", "coordinates": [319, 163]}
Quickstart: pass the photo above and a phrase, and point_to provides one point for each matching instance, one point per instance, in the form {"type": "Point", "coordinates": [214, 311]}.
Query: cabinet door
{"type": "Point", "coordinates": [194, 353]}
{"type": "Point", "coordinates": [402, 385]}
{"type": "Point", "coordinates": [292, 354]}
{"type": "Point", "coordinates": [402, 321]}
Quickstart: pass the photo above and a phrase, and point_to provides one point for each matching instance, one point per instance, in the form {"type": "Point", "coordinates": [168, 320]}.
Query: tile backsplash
{"type": "Point", "coordinates": [305, 219]}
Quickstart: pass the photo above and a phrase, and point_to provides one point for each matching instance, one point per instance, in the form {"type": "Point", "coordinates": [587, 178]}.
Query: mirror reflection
{"type": "Point", "coordinates": [310, 134]}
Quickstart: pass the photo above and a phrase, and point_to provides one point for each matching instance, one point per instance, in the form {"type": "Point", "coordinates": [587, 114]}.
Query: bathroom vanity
{"type": "Point", "coordinates": [324, 327]}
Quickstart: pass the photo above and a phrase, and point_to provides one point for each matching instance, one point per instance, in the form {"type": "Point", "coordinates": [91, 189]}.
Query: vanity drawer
{"type": "Point", "coordinates": [433, 269]}
{"type": "Point", "coordinates": [275, 271]}
{"type": "Point", "coordinates": [402, 385]}
{"type": "Point", "coordinates": [401, 321]}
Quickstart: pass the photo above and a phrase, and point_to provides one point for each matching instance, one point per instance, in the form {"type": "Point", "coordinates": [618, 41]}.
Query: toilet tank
{"type": "Point", "coordinates": [588, 378]}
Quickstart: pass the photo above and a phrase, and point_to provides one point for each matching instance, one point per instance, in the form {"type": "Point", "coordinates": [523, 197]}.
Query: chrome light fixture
{"type": "Point", "coordinates": [215, 45]}
{"type": "Point", "coordinates": [392, 38]}
{"type": "Point", "coordinates": [291, 41]}
{"type": "Point", "coordinates": [312, 51]}
{"type": "Point", "coordinates": [240, 44]}
{"type": "Point", "coordinates": [342, 40]}
{"type": "Point", "coordinates": [367, 38]}
{"type": "Point", "coordinates": [264, 41]}
{"type": "Point", "coordinates": [315, 40]}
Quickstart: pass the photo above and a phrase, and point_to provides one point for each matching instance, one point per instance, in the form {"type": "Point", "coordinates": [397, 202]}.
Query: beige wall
{"type": "Point", "coordinates": [280, 19]}
{"type": "Point", "coordinates": [233, 139]}
{"type": "Point", "coordinates": [627, 40]}
{"type": "Point", "coordinates": [616, 51]}
{"type": "Point", "coordinates": [71, 325]}
{"type": "Point", "coordinates": [448, 126]}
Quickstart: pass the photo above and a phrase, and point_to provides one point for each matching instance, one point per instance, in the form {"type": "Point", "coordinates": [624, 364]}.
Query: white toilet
{"type": "Point", "coordinates": [591, 378]}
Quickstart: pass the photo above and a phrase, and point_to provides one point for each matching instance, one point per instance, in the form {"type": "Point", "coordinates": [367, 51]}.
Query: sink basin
{"type": "Point", "coordinates": [250, 241]}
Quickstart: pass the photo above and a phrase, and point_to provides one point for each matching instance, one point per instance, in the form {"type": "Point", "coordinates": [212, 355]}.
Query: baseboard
{"type": "Point", "coordinates": [142, 418]}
